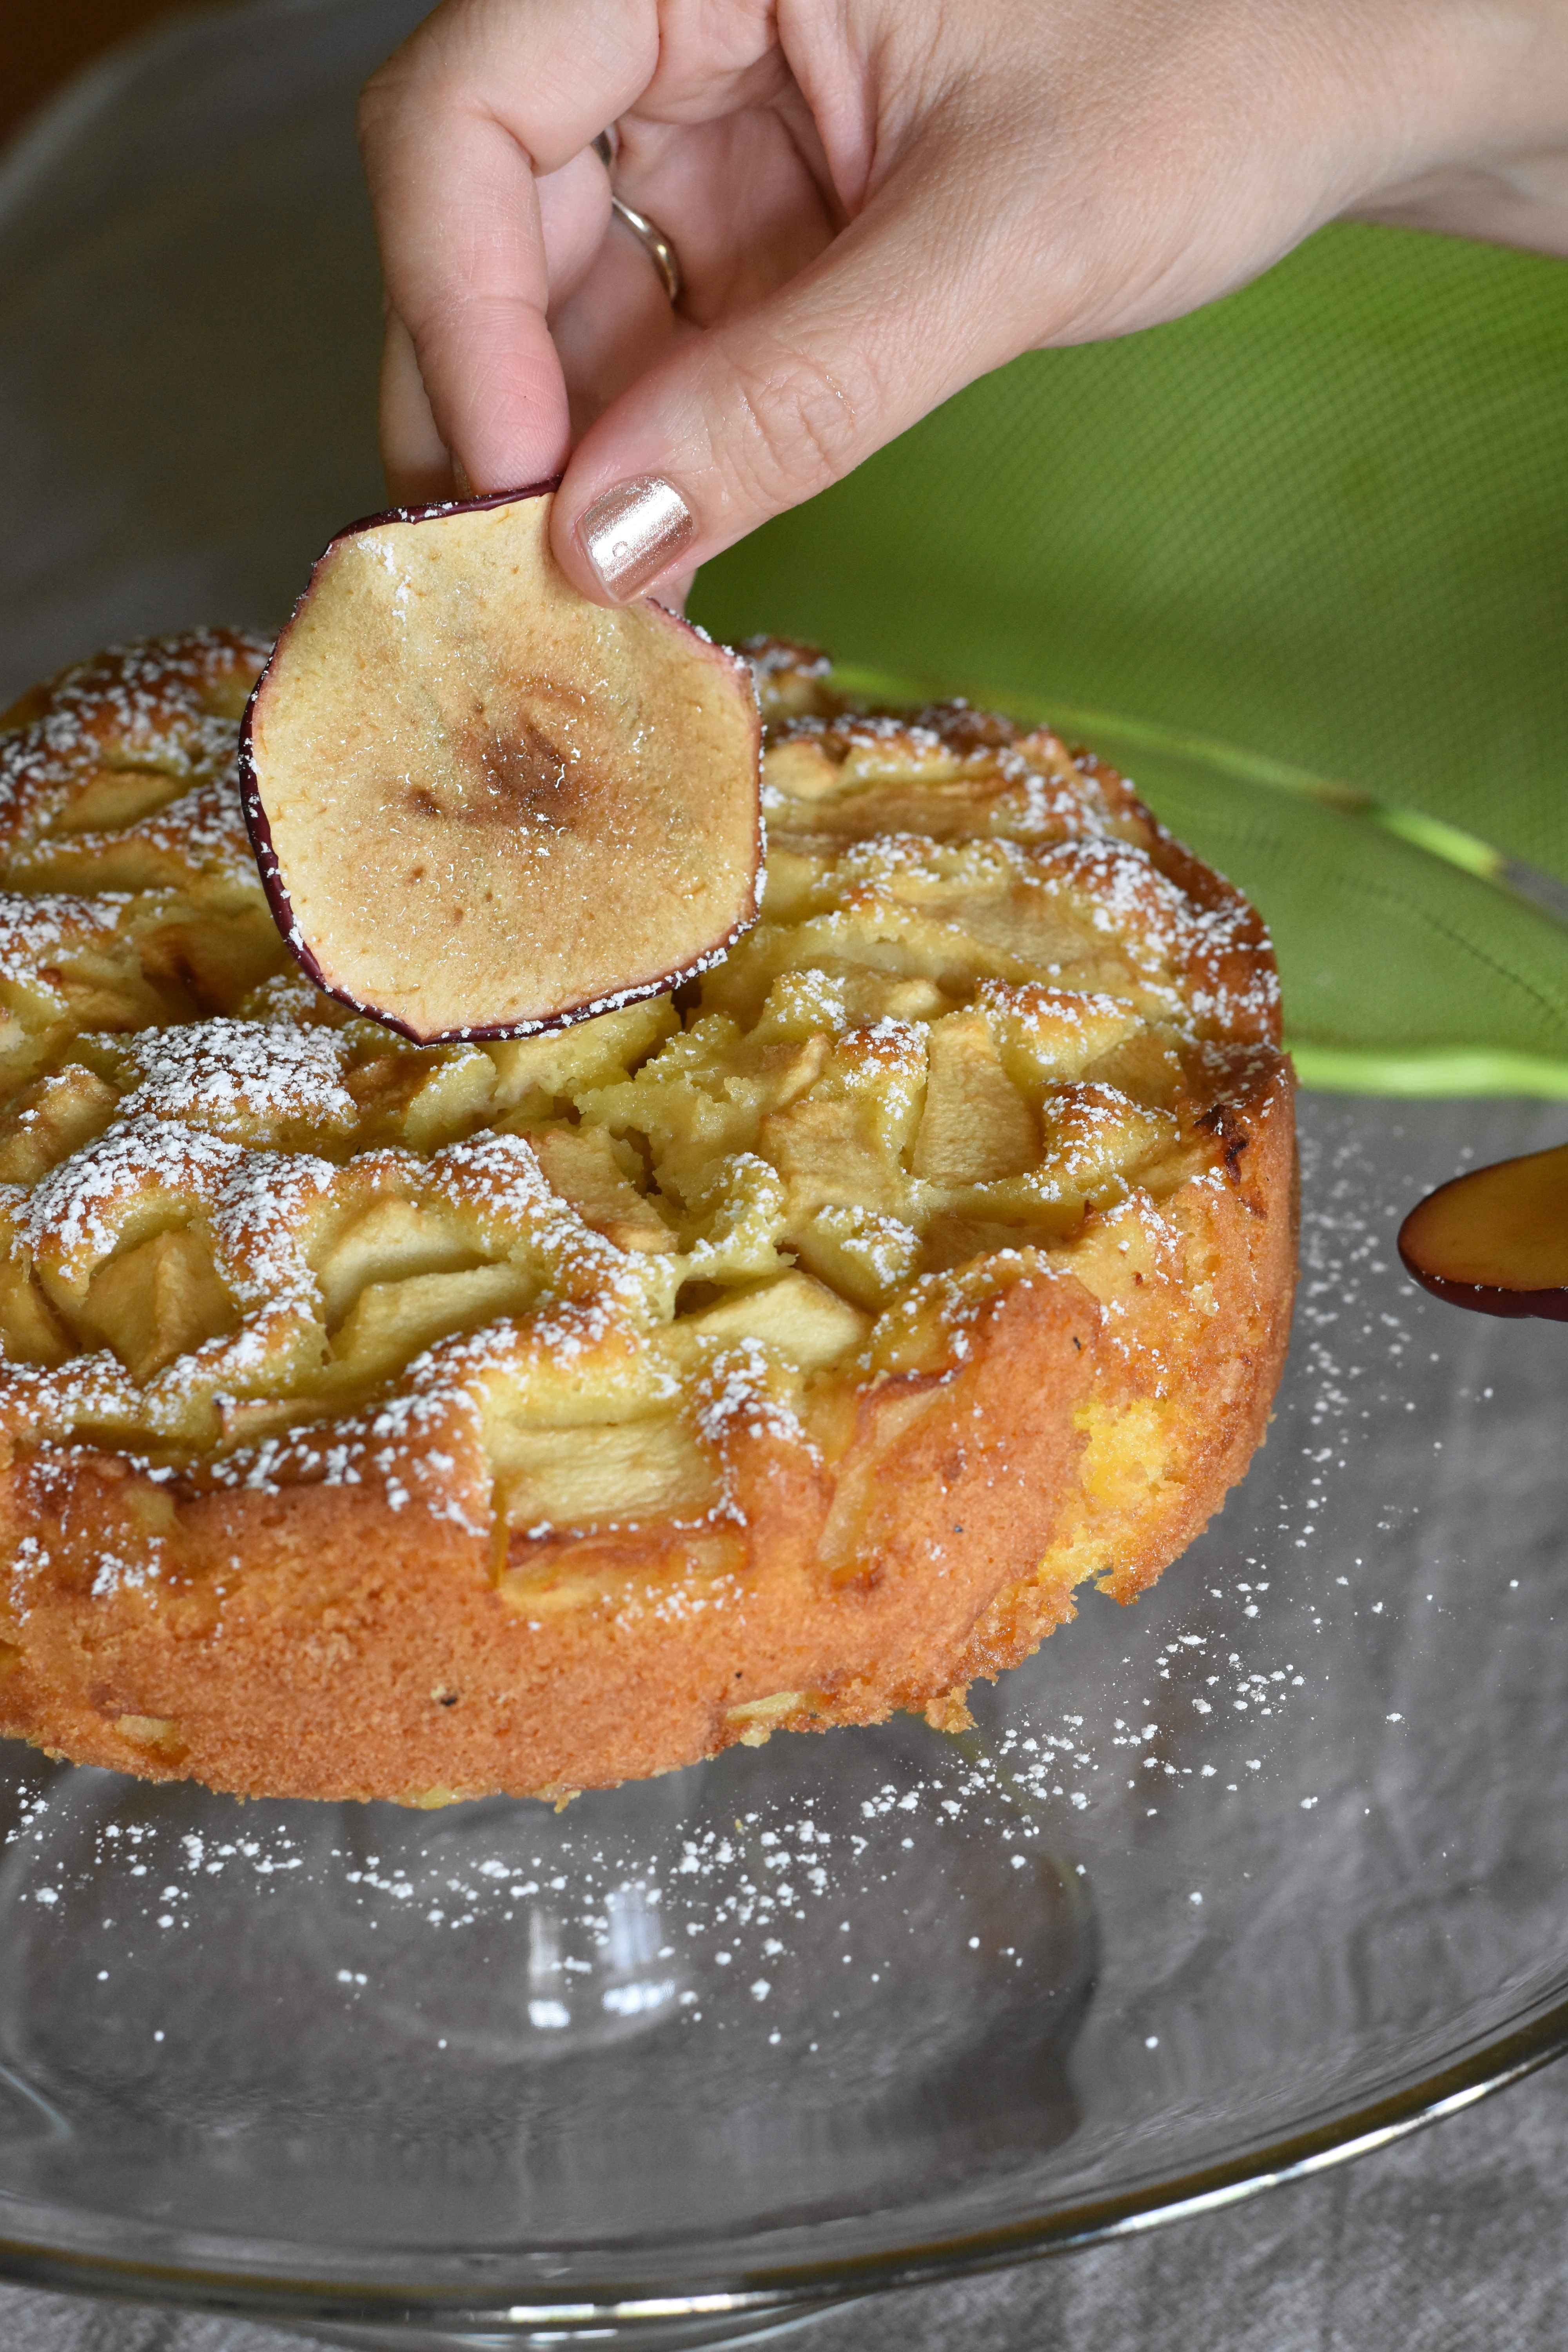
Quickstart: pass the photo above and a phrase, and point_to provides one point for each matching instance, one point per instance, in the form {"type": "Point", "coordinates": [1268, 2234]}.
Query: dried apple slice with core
{"type": "Point", "coordinates": [483, 806]}
{"type": "Point", "coordinates": [1496, 1239]}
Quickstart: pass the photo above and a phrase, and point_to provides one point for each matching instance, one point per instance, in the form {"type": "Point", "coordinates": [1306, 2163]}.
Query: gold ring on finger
{"type": "Point", "coordinates": [647, 233]}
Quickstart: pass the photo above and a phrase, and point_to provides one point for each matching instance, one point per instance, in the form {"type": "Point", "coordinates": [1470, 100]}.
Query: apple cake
{"type": "Point", "coordinates": [418, 1421]}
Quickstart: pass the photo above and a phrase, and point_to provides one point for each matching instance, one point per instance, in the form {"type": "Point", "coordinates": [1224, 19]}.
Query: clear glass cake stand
{"type": "Point", "coordinates": [1224, 1887]}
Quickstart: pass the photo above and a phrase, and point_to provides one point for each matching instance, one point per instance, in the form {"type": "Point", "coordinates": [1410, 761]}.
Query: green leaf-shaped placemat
{"type": "Point", "coordinates": [1326, 519]}
{"type": "Point", "coordinates": [1409, 965]}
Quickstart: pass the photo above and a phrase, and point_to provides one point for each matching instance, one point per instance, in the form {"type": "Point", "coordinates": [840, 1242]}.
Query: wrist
{"type": "Point", "coordinates": [1480, 138]}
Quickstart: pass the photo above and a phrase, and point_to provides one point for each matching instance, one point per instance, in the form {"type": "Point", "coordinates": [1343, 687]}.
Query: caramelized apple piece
{"type": "Point", "coordinates": [158, 1301]}
{"type": "Point", "coordinates": [1497, 1239]}
{"type": "Point", "coordinates": [975, 1125]}
{"type": "Point", "coordinates": [484, 806]}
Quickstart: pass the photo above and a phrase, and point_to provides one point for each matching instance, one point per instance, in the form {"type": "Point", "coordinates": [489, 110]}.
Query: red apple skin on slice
{"type": "Point", "coordinates": [1497, 1239]}
{"type": "Point", "coordinates": [483, 806]}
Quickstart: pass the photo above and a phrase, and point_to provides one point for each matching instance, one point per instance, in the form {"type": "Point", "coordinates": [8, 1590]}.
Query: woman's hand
{"type": "Point", "coordinates": [874, 202]}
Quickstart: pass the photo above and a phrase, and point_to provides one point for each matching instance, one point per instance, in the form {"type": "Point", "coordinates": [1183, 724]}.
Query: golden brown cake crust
{"type": "Point", "coordinates": [870, 1444]}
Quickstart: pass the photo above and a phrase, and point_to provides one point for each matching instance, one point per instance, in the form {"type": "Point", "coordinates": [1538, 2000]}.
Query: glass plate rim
{"type": "Point", "coordinates": [763, 2291]}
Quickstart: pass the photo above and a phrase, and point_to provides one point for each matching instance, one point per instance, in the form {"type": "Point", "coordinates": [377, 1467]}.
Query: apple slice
{"type": "Point", "coordinates": [482, 806]}
{"type": "Point", "coordinates": [1496, 1239]}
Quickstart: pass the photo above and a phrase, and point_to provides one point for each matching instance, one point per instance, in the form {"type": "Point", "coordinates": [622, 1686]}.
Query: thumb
{"type": "Point", "coordinates": [920, 295]}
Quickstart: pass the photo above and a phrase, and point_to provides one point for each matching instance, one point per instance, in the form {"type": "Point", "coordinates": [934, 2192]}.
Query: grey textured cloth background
{"type": "Point", "coordinates": [185, 412]}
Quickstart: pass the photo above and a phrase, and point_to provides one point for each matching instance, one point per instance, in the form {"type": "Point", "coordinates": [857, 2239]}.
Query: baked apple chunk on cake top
{"type": "Point", "coordinates": [384, 1419]}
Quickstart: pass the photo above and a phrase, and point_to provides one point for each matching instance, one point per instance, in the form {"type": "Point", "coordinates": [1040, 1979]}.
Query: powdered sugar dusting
{"type": "Point", "coordinates": [230, 1076]}
{"type": "Point", "coordinates": [281, 1249]}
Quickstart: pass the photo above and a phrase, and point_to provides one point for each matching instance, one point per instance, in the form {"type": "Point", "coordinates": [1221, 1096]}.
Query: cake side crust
{"type": "Point", "coordinates": [366, 1651]}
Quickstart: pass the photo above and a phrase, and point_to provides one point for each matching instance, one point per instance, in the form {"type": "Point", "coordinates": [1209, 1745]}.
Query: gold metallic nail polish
{"type": "Point", "coordinates": [636, 531]}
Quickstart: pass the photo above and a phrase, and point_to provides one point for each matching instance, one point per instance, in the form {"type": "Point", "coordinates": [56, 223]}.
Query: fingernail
{"type": "Point", "coordinates": [633, 532]}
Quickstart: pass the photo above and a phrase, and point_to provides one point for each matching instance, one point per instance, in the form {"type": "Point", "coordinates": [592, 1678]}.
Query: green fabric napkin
{"type": "Point", "coordinates": [1324, 521]}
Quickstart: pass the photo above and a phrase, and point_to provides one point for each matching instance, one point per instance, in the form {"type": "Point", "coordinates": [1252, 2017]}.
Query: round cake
{"type": "Point", "coordinates": [420, 1422]}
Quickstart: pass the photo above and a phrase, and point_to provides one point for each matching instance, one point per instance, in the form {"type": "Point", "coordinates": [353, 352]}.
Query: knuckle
{"type": "Point", "coordinates": [376, 103]}
{"type": "Point", "coordinates": [801, 420]}
{"type": "Point", "coordinates": [388, 114]}
{"type": "Point", "coordinates": [383, 98]}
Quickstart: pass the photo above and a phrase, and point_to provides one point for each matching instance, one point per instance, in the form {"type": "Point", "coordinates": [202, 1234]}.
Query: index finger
{"type": "Point", "coordinates": [485, 98]}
